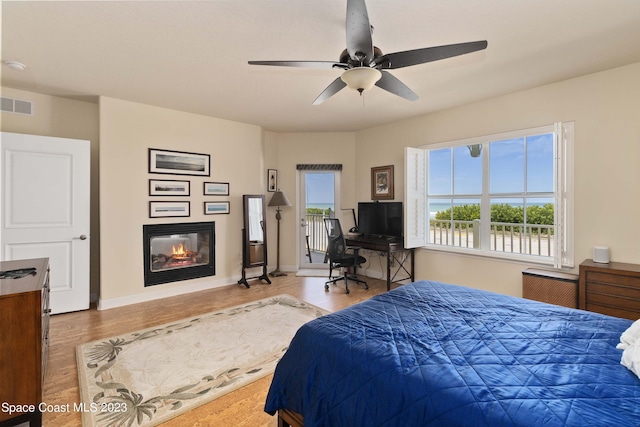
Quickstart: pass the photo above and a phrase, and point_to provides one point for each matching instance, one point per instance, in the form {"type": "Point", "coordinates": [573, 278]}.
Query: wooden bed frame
{"type": "Point", "coordinates": [287, 418]}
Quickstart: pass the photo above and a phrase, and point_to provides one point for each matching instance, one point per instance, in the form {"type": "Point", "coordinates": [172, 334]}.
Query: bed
{"type": "Point", "coordinates": [434, 354]}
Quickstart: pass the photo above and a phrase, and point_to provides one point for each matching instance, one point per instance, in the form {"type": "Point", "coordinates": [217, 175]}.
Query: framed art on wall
{"type": "Point", "coordinates": [272, 180]}
{"type": "Point", "coordinates": [216, 208]}
{"type": "Point", "coordinates": [168, 209]}
{"type": "Point", "coordinates": [216, 188]}
{"type": "Point", "coordinates": [178, 162]}
{"type": "Point", "coordinates": [169, 187]}
{"type": "Point", "coordinates": [382, 183]}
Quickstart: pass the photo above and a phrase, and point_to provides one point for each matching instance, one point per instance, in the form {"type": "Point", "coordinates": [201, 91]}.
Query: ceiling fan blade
{"type": "Point", "coordinates": [359, 42]}
{"type": "Point", "coordinates": [336, 86]}
{"type": "Point", "coordinates": [428, 54]}
{"type": "Point", "coordinates": [329, 65]}
{"type": "Point", "coordinates": [391, 84]}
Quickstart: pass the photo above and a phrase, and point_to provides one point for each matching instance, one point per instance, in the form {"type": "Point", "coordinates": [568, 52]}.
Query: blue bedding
{"type": "Point", "coordinates": [432, 354]}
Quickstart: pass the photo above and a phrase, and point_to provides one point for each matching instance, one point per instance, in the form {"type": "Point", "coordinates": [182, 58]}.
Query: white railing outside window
{"type": "Point", "coordinates": [504, 237]}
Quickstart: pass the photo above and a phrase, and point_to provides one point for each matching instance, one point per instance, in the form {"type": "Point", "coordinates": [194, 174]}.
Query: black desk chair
{"type": "Point", "coordinates": [338, 256]}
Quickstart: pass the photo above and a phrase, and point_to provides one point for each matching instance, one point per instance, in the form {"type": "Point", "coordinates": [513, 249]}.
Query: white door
{"type": "Point", "coordinates": [319, 192]}
{"type": "Point", "coordinates": [45, 211]}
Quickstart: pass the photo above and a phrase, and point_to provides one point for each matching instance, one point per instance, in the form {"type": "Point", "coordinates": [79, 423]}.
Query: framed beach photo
{"type": "Point", "coordinates": [216, 208]}
{"type": "Point", "coordinates": [272, 180]}
{"type": "Point", "coordinates": [216, 188]}
{"type": "Point", "coordinates": [169, 187]}
{"type": "Point", "coordinates": [178, 162]}
{"type": "Point", "coordinates": [382, 183]}
{"type": "Point", "coordinates": [168, 209]}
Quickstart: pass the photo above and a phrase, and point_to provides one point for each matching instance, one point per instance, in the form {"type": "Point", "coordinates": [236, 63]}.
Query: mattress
{"type": "Point", "coordinates": [434, 354]}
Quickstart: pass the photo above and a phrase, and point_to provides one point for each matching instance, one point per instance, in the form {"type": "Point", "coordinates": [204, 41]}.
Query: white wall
{"type": "Point", "coordinates": [606, 110]}
{"type": "Point", "coordinates": [127, 131]}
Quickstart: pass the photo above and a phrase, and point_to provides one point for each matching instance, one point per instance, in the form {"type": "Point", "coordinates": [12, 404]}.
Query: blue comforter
{"type": "Point", "coordinates": [432, 354]}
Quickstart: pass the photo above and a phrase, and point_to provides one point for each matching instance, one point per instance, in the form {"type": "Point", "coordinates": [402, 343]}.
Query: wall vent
{"type": "Point", "coordinates": [17, 106]}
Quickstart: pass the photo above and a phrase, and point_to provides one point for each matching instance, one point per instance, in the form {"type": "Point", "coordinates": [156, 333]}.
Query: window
{"type": "Point", "coordinates": [506, 195]}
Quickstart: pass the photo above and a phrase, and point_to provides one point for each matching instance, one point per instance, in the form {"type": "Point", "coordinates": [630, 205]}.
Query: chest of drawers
{"type": "Point", "coordinates": [24, 338]}
{"type": "Point", "coordinates": [612, 289]}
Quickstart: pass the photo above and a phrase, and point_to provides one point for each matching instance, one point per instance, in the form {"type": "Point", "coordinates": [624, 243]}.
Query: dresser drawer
{"type": "Point", "coordinates": [615, 279]}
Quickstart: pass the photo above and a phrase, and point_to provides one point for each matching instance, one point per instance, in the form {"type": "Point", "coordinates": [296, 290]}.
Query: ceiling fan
{"type": "Point", "coordinates": [364, 64]}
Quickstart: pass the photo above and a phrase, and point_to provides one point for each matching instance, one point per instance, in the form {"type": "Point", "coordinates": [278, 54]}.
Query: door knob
{"type": "Point", "coordinates": [81, 237]}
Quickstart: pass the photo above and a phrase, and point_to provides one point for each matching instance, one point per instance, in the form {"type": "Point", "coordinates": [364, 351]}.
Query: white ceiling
{"type": "Point", "coordinates": [192, 55]}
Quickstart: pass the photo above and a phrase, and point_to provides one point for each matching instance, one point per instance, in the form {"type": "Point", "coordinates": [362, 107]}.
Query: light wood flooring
{"type": "Point", "coordinates": [243, 407]}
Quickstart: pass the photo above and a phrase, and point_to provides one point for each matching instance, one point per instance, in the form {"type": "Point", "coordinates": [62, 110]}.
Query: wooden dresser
{"type": "Point", "coordinates": [612, 289]}
{"type": "Point", "coordinates": [24, 339]}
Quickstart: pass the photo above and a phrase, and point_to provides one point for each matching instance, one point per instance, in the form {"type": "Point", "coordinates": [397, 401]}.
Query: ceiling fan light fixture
{"type": "Point", "coordinates": [361, 78]}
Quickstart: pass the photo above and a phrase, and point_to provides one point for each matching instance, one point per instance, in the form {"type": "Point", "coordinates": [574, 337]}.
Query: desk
{"type": "Point", "coordinates": [394, 250]}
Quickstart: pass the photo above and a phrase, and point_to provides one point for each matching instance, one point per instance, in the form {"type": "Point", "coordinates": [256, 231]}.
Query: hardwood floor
{"type": "Point", "coordinates": [243, 407]}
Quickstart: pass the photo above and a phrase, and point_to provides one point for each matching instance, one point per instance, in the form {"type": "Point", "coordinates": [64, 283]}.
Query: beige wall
{"type": "Point", "coordinates": [64, 118]}
{"type": "Point", "coordinates": [605, 107]}
{"type": "Point", "coordinates": [127, 131]}
{"type": "Point", "coordinates": [286, 151]}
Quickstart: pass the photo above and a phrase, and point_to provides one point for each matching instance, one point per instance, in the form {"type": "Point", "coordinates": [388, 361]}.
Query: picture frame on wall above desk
{"type": "Point", "coordinates": [382, 183]}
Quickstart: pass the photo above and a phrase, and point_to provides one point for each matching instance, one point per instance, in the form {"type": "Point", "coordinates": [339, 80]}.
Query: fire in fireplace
{"type": "Point", "coordinates": [174, 252]}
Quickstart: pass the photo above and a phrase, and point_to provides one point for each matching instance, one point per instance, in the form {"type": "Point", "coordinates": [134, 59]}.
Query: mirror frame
{"type": "Point", "coordinates": [247, 243]}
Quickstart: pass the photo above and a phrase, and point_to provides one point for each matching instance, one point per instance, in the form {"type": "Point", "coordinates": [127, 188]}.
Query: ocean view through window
{"type": "Point", "coordinates": [507, 195]}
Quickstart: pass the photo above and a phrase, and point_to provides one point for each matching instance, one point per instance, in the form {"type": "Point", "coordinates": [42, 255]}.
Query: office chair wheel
{"type": "Point", "coordinates": [326, 287]}
{"type": "Point", "coordinates": [347, 291]}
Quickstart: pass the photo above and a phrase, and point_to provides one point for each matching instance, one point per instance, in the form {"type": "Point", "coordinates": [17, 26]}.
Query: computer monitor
{"type": "Point", "coordinates": [382, 219]}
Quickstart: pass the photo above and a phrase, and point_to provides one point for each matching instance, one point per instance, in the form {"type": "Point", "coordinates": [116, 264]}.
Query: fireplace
{"type": "Point", "coordinates": [174, 252]}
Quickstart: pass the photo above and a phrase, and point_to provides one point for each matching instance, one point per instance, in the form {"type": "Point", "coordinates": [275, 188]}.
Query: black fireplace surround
{"type": "Point", "coordinates": [174, 252]}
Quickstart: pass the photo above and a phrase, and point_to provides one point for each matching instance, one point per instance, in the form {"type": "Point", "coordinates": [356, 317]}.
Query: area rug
{"type": "Point", "coordinates": [146, 377]}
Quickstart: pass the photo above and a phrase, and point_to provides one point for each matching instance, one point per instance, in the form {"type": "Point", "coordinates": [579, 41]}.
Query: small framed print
{"type": "Point", "coordinates": [168, 209]}
{"type": "Point", "coordinates": [272, 180]}
{"type": "Point", "coordinates": [216, 208]}
{"type": "Point", "coordinates": [178, 162]}
{"type": "Point", "coordinates": [169, 187]}
{"type": "Point", "coordinates": [382, 183]}
{"type": "Point", "coordinates": [216, 188]}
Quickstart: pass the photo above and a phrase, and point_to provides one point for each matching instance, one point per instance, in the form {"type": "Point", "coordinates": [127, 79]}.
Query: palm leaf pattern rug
{"type": "Point", "coordinates": [146, 377]}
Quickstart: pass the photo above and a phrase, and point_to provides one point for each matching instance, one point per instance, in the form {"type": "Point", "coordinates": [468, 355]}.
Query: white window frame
{"type": "Point", "coordinates": [416, 214]}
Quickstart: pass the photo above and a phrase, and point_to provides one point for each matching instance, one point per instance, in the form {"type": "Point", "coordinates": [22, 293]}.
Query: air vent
{"type": "Point", "coordinates": [17, 106]}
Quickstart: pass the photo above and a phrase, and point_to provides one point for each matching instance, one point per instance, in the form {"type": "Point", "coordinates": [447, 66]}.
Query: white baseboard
{"type": "Point", "coordinates": [307, 272]}
{"type": "Point", "coordinates": [151, 294]}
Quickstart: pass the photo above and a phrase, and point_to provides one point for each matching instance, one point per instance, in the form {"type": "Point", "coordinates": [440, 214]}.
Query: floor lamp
{"type": "Point", "coordinates": [279, 199]}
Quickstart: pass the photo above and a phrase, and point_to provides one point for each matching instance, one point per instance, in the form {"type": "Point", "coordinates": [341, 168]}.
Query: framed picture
{"type": "Point", "coordinates": [216, 208]}
{"type": "Point", "coordinates": [216, 188]}
{"type": "Point", "coordinates": [169, 187]}
{"type": "Point", "coordinates": [178, 162]}
{"type": "Point", "coordinates": [272, 180]}
{"type": "Point", "coordinates": [168, 209]}
{"type": "Point", "coordinates": [382, 183]}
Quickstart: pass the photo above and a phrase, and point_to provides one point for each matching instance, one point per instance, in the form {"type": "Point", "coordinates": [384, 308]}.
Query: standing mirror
{"type": "Point", "coordinates": [254, 237]}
